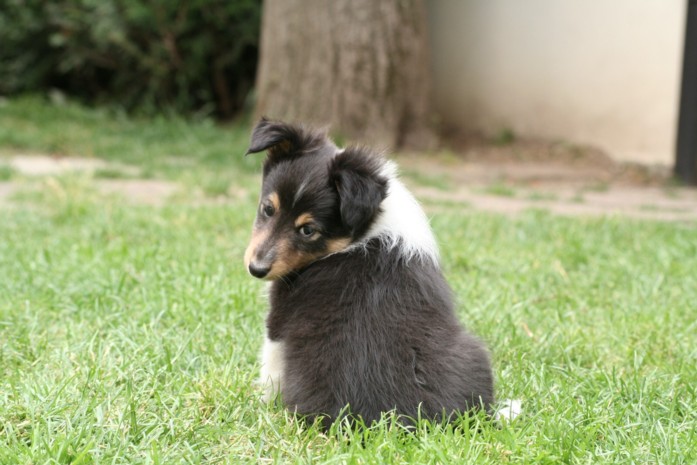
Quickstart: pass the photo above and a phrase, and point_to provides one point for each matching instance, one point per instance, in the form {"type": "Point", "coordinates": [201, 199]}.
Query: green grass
{"type": "Point", "coordinates": [130, 333]}
{"type": "Point", "coordinates": [499, 189]}
{"type": "Point", "coordinates": [422, 179]}
{"type": "Point", "coordinates": [116, 172]}
{"type": "Point", "coordinates": [6, 172]}
{"type": "Point", "coordinates": [168, 146]}
{"type": "Point", "coordinates": [540, 196]}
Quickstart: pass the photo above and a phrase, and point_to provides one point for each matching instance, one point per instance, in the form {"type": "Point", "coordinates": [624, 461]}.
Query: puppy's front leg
{"type": "Point", "coordinates": [272, 362]}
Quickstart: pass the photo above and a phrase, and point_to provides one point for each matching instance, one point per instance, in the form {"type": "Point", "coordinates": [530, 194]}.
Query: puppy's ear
{"type": "Point", "coordinates": [356, 176]}
{"type": "Point", "coordinates": [277, 136]}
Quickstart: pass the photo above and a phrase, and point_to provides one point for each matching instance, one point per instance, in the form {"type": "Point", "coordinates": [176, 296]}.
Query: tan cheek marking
{"type": "Point", "coordinates": [258, 237]}
{"type": "Point", "coordinates": [283, 264]}
{"type": "Point", "coordinates": [304, 219]}
{"type": "Point", "coordinates": [337, 245]}
{"type": "Point", "coordinates": [290, 260]}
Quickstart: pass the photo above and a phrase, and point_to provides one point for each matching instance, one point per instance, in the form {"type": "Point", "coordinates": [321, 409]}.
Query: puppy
{"type": "Point", "coordinates": [361, 320]}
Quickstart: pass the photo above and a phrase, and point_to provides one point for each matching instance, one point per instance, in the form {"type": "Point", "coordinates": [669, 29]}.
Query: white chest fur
{"type": "Point", "coordinates": [272, 361]}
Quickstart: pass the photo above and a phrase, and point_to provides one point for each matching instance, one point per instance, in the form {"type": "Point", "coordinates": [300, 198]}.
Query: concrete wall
{"type": "Point", "coordinates": [599, 72]}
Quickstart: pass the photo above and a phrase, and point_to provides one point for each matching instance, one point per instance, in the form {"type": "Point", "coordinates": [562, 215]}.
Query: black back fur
{"type": "Point", "coordinates": [363, 329]}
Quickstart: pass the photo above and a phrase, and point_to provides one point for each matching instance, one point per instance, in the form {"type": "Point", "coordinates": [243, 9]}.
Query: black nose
{"type": "Point", "coordinates": [258, 271]}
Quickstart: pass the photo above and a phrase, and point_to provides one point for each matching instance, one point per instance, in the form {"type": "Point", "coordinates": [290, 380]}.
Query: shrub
{"type": "Point", "coordinates": [190, 56]}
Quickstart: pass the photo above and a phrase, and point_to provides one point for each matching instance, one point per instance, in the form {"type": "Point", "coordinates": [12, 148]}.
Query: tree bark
{"type": "Point", "coordinates": [361, 67]}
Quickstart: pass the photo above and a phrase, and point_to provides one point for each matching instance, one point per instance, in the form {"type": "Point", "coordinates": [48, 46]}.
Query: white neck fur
{"type": "Point", "coordinates": [402, 222]}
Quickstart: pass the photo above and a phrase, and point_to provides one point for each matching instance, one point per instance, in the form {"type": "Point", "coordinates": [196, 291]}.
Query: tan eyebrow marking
{"type": "Point", "coordinates": [304, 219]}
{"type": "Point", "coordinates": [275, 201]}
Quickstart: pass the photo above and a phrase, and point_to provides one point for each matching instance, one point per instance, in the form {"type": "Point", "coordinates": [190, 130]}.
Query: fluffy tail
{"type": "Point", "coordinates": [508, 409]}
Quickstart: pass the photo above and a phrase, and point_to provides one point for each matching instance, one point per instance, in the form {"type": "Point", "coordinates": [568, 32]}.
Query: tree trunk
{"type": "Point", "coordinates": [361, 67]}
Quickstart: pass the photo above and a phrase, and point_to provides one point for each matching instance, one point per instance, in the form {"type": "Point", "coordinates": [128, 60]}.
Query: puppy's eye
{"type": "Point", "coordinates": [306, 230]}
{"type": "Point", "coordinates": [268, 210]}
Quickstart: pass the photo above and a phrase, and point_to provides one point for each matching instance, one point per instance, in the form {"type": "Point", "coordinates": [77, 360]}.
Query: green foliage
{"type": "Point", "coordinates": [505, 136]}
{"type": "Point", "coordinates": [191, 56]}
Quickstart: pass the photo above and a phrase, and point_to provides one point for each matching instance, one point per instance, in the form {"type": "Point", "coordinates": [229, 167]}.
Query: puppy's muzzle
{"type": "Point", "coordinates": [261, 261]}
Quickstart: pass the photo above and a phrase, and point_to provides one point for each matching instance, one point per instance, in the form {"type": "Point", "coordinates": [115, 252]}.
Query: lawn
{"type": "Point", "coordinates": [129, 333]}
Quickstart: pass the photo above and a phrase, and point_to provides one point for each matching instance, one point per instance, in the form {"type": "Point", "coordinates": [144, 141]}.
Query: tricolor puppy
{"type": "Point", "coordinates": [361, 318]}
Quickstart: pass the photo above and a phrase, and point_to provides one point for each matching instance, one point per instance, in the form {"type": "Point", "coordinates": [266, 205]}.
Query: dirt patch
{"type": "Point", "coordinates": [145, 191]}
{"type": "Point", "coordinates": [564, 179]}
{"type": "Point", "coordinates": [505, 179]}
{"type": "Point", "coordinates": [532, 161]}
{"type": "Point", "coordinates": [42, 165]}
{"type": "Point", "coordinates": [637, 202]}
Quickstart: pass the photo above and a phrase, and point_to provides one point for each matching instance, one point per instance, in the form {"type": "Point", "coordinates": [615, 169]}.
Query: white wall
{"type": "Point", "coordinates": [599, 72]}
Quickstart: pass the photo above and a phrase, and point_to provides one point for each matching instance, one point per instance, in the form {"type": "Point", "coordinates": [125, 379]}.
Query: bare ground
{"type": "Point", "coordinates": [561, 178]}
{"type": "Point", "coordinates": [507, 179]}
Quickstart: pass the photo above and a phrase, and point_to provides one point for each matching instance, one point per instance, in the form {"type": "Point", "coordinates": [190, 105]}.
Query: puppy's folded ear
{"type": "Point", "coordinates": [356, 175]}
{"type": "Point", "coordinates": [274, 135]}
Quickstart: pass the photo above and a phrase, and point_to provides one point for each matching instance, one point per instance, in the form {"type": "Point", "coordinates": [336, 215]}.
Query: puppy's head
{"type": "Point", "coordinates": [315, 199]}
